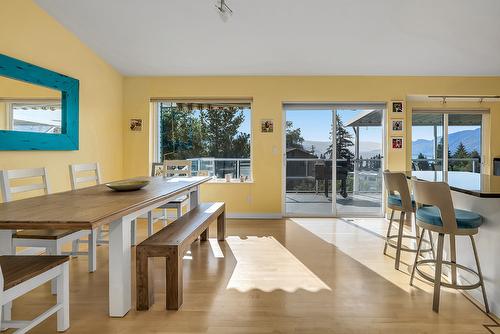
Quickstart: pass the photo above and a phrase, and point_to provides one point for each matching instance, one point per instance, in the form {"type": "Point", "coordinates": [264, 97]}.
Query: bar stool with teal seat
{"type": "Point", "coordinates": [438, 215]}
{"type": "Point", "coordinates": [399, 199]}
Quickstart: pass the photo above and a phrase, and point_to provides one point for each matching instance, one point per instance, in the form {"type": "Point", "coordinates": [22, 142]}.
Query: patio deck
{"type": "Point", "coordinates": [311, 204]}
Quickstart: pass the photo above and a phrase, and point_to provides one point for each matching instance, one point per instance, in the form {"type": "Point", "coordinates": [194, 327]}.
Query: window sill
{"type": "Point", "coordinates": [233, 181]}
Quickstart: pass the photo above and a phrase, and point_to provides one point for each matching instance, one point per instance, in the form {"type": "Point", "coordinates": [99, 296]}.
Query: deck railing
{"type": "Point", "coordinates": [219, 167]}
{"type": "Point", "coordinates": [454, 164]}
{"type": "Point", "coordinates": [363, 175]}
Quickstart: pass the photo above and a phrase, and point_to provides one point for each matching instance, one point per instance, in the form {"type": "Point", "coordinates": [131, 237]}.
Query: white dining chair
{"type": "Point", "coordinates": [51, 240]}
{"type": "Point", "coordinates": [86, 174]}
{"type": "Point", "coordinates": [89, 174]}
{"type": "Point", "coordinates": [25, 273]}
{"type": "Point", "coordinates": [168, 169]}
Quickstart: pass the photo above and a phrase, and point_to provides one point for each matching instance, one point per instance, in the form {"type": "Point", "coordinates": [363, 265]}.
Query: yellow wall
{"type": "Point", "coordinates": [30, 34]}
{"type": "Point", "coordinates": [268, 93]}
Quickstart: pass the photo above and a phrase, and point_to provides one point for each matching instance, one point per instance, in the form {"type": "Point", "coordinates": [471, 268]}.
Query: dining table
{"type": "Point", "coordinates": [91, 207]}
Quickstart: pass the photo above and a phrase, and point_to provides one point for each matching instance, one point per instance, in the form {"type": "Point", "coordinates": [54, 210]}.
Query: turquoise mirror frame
{"type": "Point", "coordinates": [67, 140]}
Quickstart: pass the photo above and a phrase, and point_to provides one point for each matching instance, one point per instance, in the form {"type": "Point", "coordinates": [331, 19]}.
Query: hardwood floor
{"type": "Point", "coordinates": [282, 276]}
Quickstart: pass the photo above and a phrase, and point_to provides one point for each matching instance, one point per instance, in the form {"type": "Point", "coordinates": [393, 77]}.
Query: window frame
{"type": "Point", "coordinates": [446, 112]}
{"type": "Point", "coordinates": [156, 134]}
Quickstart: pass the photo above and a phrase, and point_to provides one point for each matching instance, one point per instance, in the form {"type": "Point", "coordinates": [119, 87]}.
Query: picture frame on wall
{"type": "Point", "coordinates": [397, 125]}
{"type": "Point", "coordinates": [397, 143]}
{"type": "Point", "coordinates": [135, 124]}
{"type": "Point", "coordinates": [266, 126]}
{"type": "Point", "coordinates": [397, 107]}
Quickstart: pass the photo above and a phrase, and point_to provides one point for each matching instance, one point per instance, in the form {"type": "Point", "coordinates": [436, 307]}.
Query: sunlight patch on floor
{"type": "Point", "coordinates": [263, 263]}
{"type": "Point", "coordinates": [361, 240]}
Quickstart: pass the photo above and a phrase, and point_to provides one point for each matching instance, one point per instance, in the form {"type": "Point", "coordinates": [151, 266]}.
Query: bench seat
{"type": "Point", "coordinates": [172, 242]}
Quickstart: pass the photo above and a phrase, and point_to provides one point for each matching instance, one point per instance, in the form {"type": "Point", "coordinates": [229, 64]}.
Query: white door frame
{"type": "Point", "coordinates": [334, 213]}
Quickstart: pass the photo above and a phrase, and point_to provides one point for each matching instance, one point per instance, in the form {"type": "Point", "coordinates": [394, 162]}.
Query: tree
{"type": "Point", "coordinates": [343, 140]}
{"type": "Point", "coordinates": [210, 132]}
{"type": "Point", "coordinates": [293, 136]}
{"type": "Point", "coordinates": [461, 153]}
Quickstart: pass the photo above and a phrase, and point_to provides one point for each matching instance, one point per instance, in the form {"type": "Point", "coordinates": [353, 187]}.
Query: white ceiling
{"type": "Point", "coordinates": [289, 37]}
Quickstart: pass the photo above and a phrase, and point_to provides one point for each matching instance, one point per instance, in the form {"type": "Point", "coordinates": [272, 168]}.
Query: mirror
{"type": "Point", "coordinates": [28, 107]}
{"type": "Point", "coordinates": [38, 107]}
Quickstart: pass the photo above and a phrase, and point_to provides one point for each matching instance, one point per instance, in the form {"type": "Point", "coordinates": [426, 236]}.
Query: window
{"type": "Point", "coordinates": [459, 134]}
{"type": "Point", "coordinates": [33, 116]}
{"type": "Point", "coordinates": [215, 136]}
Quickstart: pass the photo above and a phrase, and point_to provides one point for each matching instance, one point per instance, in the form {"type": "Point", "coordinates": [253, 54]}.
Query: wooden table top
{"type": "Point", "coordinates": [90, 207]}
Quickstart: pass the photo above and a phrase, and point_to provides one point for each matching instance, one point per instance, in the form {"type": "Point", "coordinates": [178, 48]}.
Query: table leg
{"type": "Point", "coordinates": [119, 267]}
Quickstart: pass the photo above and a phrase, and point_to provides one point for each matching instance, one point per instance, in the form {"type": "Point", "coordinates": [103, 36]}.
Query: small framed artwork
{"type": "Point", "coordinates": [397, 143]}
{"type": "Point", "coordinates": [135, 124]}
{"type": "Point", "coordinates": [397, 107]}
{"type": "Point", "coordinates": [266, 126]}
{"type": "Point", "coordinates": [397, 125]}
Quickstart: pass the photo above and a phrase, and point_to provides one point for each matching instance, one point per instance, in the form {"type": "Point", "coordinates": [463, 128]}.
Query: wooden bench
{"type": "Point", "coordinates": [20, 274]}
{"type": "Point", "coordinates": [172, 242]}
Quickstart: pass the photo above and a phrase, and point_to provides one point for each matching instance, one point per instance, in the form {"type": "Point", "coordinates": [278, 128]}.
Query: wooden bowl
{"type": "Point", "coordinates": [127, 185]}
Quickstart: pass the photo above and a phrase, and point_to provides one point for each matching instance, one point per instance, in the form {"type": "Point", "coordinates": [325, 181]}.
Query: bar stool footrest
{"type": "Point", "coordinates": [391, 243]}
{"type": "Point", "coordinates": [446, 284]}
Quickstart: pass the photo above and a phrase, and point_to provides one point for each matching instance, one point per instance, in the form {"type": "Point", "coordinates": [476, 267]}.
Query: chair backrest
{"type": "Point", "coordinates": [396, 183]}
{"type": "Point", "coordinates": [16, 174]}
{"type": "Point", "coordinates": [92, 168]}
{"type": "Point", "coordinates": [177, 168]}
{"type": "Point", "coordinates": [437, 194]}
{"type": "Point", "coordinates": [156, 169]}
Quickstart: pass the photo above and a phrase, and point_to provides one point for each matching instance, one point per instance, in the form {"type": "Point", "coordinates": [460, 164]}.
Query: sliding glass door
{"type": "Point", "coordinates": [459, 134]}
{"type": "Point", "coordinates": [333, 160]}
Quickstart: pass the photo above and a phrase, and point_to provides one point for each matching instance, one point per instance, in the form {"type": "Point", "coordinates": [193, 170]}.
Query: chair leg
{"type": "Point", "coordinates": [132, 232]}
{"type": "Point", "coordinates": [453, 259]}
{"type": "Point", "coordinates": [476, 256]}
{"type": "Point", "coordinates": [400, 240]}
{"type": "Point", "coordinates": [431, 242]}
{"type": "Point", "coordinates": [91, 250]}
{"type": "Point", "coordinates": [416, 256]}
{"type": "Point", "coordinates": [179, 210]}
{"type": "Point", "coordinates": [63, 298]}
{"type": "Point", "coordinates": [55, 250]}
{"type": "Point", "coordinates": [150, 223]}
{"type": "Point", "coordinates": [75, 246]}
{"type": "Point", "coordinates": [388, 231]}
{"type": "Point", "coordinates": [7, 314]}
{"type": "Point", "coordinates": [165, 212]}
{"type": "Point", "coordinates": [437, 275]}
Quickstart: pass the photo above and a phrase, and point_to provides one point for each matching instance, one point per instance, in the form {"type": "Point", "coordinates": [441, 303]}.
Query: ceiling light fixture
{"type": "Point", "coordinates": [223, 8]}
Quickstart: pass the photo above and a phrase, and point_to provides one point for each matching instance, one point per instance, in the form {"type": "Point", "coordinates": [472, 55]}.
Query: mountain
{"type": "Point", "coordinates": [470, 138]}
{"type": "Point", "coordinates": [368, 149]}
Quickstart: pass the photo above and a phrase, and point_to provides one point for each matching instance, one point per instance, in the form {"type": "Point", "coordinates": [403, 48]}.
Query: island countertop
{"type": "Point", "coordinates": [475, 184]}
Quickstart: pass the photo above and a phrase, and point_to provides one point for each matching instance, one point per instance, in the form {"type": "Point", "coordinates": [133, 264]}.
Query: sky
{"type": "Point", "coordinates": [316, 124]}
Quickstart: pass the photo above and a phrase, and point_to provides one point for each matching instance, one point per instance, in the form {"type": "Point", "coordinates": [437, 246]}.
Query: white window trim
{"type": "Point", "coordinates": [156, 129]}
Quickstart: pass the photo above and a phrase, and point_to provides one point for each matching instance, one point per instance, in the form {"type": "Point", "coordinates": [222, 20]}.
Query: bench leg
{"type": "Point", "coordinates": [144, 281]}
{"type": "Point", "coordinates": [63, 298]}
{"type": "Point", "coordinates": [174, 281]}
{"type": "Point", "coordinates": [221, 226]}
{"type": "Point", "coordinates": [205, 234]}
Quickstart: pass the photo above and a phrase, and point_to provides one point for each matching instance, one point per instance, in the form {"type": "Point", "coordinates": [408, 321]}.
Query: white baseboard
{"type": "Point", "coordinates": [254, 216]}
